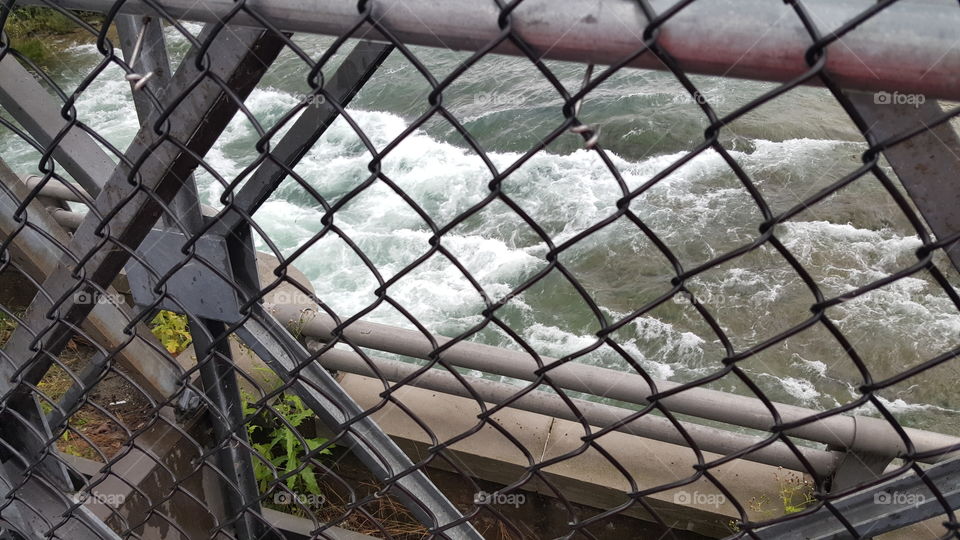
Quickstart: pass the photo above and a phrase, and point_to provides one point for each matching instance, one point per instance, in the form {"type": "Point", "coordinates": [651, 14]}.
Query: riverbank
{"type": "Point", "coordinates": [40, 33]}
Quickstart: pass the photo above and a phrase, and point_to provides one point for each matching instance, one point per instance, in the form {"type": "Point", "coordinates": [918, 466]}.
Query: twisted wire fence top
{"type": "Point", "coordinates": [683, 232]}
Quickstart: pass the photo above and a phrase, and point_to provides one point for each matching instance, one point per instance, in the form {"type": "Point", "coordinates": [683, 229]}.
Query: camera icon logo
{"type": "Point", "coordinates": [682, 497]}
{"type": "Point", "coordinates": [882, 498]}
{"type": "Point", "coordinates": [882, 98]}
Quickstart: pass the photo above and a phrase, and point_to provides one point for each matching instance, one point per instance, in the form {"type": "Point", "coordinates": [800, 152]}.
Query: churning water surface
{"type": "Point", "coordinates": [790, 147]}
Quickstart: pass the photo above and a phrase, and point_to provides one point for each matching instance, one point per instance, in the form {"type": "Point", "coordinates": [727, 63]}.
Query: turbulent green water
{"type": "Point", "coordinates": [790, 147]}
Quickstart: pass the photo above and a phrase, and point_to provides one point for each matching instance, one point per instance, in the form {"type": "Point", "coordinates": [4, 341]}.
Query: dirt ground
{"type": "Point", "coordinates": [113, 408]}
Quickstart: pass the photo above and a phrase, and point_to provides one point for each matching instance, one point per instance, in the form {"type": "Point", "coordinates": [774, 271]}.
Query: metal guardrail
{"type": "Point", "coordinates": [842, 434]}
{"type": "Point", "coordinates": [145, 222]}
{"type": "Point", "coordinates": [720, 37]}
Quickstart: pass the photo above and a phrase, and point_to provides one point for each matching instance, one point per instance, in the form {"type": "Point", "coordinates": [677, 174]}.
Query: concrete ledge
{"type": "Point", "coordinates": [586, 478]}
{"type": "Point", "coordinates": [582, 473]}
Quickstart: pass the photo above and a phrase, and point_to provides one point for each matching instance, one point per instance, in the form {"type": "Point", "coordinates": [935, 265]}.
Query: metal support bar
{"type": "Point", "coordinates": [930, 177]}
{"type": "Point", "coordinates": [243, 56]}
{"type": "Point", "coordinates": [225, 413]}
{"type": "Point", "coordinates": [152, 58]}
{"type": "Point", "coordinates": [849, 432]}
{"type": "Point", "coordinates": [357, 68]}
{"type": "Point", "coordinates": [70, 221]}
{"type": "Point", "coordinates": [26, 453]}
{"type": "Point", "coordinates": [273, 343]}
{"type": "Point", "coordinates": [37, 111]}
{"type": "Point", "coordinates": [143, 44]}
{"type": "Point", "coordinates": [316, 387]}
{"type": "Point", "coordinates": [707, 438]}
{"type": "Point", "coordinates": [45, 509]}
{"type": "Point", "coordinates": [143, 37]}
{"type": "Point", "coordinates": [37, 255]}
{"type": "Point", "coordinates": [753, 39]}
{"type": "Point", "coordinates": [855, 468]}
{"type": "Point", "coordinates": [197, 122]}
{"type": "Point", "coordinates": [56, 190]}
{"type": "Point", "coordinates": [887, 507]}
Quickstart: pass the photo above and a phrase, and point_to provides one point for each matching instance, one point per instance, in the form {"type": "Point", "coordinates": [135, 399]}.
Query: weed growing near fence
{"type": "Point", "coordinates": [7, 325]}
{"type": "Point", "coordinates": [280, 442]}
{"type": "Point", "coordinates": [173, 331]}
{"type": "Point", "coordinates": [794, 492]}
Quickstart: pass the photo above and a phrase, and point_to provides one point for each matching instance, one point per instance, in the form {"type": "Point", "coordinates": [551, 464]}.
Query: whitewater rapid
{"type": "Point", "coordinates": [699, 212]}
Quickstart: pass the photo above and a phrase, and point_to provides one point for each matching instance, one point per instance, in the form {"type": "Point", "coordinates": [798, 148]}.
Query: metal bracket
{"type": "Point", "coordinates": [856, 468]}
{"type": "Point", "coordinates": [887, 507]}
{"type": "Point", "coordinates": [162, 251]}
{"type": "Point", "coordinates": [929, 177]}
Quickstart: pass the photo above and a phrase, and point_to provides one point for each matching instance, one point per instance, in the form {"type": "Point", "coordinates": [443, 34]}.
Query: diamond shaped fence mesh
{"type": "Point", "coordinates": [529, 269]}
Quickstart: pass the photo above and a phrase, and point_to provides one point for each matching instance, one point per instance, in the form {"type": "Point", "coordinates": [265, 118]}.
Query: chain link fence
{"type": "Point", "coordinates": [405, 269]}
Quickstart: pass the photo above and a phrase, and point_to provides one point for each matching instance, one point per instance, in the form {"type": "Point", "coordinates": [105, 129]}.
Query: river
{"type": "Point", "coordinates": [790, 147]}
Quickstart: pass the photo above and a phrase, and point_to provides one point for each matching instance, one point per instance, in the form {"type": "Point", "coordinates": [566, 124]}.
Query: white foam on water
{"type": "Point", "coordinates": [800, 389]}
{"type": "Point", "coordinates": [107, 106]}
{"type": "Point", "coordinates": [913, 307]}
{"type": "Point", "coordinates": [790, 154]}
{"type": "Point", "coordinates": [814, 366]}
{"type": "Point", "coordinates": [896, 406]}
{"type": "Point", "coordinates": [875, 252]}
{"type": "Point", "coordinates": [673, 346]}
{"type": "Point", "coordinates": [567, 193]}
{"type": "Point", "coordinates": [84, 48]}
{"type": "Point", "coordinates": [556, 342]}
{"type": "Point", "coordinates": [447, 179]}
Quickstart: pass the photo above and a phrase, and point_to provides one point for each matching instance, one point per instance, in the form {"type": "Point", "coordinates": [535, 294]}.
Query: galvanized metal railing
{"type": "Point", "coordinates": [862, 434]}
{"type": "Point", "coordinates": [145, 228]}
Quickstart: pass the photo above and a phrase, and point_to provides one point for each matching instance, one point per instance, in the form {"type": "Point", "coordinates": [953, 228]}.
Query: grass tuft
{"type": "Point", "coordinates": [31, 27]}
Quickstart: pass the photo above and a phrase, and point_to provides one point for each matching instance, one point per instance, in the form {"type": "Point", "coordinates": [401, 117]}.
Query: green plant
{"type": "Point", "coordinates": [33, 20]}
{"type": "Point", "coordinates": [277, 442]}
{"type": "Point", "coordinates": [7, 325]}
{"type": "Point", "coordinates": [794, 492]}
{"type": "Point", "coordinates": [296, 328]}
{"type": "Point", "coordinates": [28, 27]}
{"type": "Point", "coordinates": [173, 331]}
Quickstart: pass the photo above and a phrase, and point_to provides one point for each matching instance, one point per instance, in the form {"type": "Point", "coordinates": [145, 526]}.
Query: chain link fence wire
{"type": "Point", "coordinates": [220, 302]}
